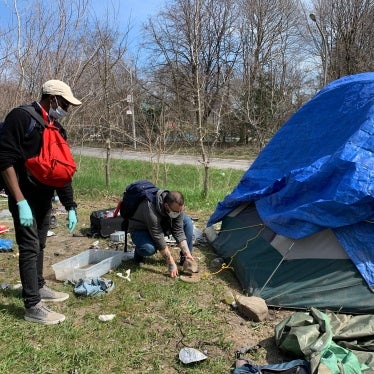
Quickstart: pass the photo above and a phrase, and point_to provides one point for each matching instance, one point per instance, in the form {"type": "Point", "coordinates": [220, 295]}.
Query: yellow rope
{"type": "Point", "coordinates": [228, 266]}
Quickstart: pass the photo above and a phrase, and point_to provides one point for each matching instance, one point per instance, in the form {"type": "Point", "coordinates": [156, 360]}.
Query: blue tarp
{"type": "Point", "coordinates": [317, 172]}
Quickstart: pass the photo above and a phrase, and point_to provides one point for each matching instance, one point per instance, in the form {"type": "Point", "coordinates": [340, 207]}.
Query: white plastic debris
{"type": "Point", "coordinates": [127, 276]}
{"type": "Point", "coordinates": [189, 355]}
{"type": "Point", "coordinates": [95, 245]}
{"type": "Point", "coordinates": [16, 286]}
{"type": "Point", "coordinates": [106, 317]}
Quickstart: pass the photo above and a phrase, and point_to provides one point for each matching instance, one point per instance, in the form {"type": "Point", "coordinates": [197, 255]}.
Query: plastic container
{"type": "Point", "coordinates": [88, 264]}
{"type": "Point", "coordinates": [117, 236]}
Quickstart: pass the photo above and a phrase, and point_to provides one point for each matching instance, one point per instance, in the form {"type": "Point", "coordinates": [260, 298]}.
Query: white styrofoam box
{"type": "Point", "coordinates": [118, 236]}
{"type": "Point", "coordinates": [88, 264]}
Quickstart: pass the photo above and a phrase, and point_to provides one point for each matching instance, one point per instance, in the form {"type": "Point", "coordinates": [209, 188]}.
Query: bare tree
{"type": "Point", "coordinates": [76, 48]}
{"type": "Point", "coordinates": [347, 27]}
{"type": "Point", "coordinates": [195, 49]}
{"type": "Point", "coordinates": [268, 73]}
{"type": "Point", "coordinates": [106, 70]}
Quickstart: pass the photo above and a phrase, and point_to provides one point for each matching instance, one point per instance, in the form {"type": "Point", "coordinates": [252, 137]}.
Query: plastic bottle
{"type": "Point", "coordinates": [229, 298]}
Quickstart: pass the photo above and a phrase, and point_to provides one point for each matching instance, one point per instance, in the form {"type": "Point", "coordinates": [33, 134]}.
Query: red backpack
{"type": "Point", "coordinates": [54, 165]}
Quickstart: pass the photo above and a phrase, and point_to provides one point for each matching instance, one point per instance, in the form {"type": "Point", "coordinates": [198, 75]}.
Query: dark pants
{"type": "Point", "coordinates": [31, 242]}
{"type": "Point", "coordinates": [144, 244]}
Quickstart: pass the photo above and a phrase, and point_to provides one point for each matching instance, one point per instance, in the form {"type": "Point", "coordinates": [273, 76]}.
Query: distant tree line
{"type": "Point", "coordinates": [210, 72]}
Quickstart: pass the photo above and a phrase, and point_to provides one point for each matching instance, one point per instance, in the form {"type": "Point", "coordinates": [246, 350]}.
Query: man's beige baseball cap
{"type": "Point", "coordinates": [59, 88]}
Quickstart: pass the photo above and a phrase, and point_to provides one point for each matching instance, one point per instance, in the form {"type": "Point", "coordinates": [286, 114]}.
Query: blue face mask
{"type": "Point", "coordinates": [58, 112]}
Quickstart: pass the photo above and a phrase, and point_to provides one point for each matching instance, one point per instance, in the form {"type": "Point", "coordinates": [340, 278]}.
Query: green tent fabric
{"type": "Point", "coordinates": [332, 343]}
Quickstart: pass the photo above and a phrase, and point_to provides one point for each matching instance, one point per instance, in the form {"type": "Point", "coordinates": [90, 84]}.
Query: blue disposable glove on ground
{"type": "Point", "coordinates": [72, 218]}
{"type": "Point", "coordinates": [25, 214]}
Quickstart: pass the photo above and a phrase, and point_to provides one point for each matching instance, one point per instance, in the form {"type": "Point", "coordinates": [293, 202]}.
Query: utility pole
{"type": "Point", "coordinates": [130, 111]}
{"type": "Point", "coordinates": [324, 42]}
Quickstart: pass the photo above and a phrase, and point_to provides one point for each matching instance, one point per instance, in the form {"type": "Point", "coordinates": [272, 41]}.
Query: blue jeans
{"type": "Point", "coordinates": [144, 243]}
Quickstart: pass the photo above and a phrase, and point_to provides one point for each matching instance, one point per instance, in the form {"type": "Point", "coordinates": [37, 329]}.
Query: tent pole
{"type": "Point", "coordinates": [280, 263]}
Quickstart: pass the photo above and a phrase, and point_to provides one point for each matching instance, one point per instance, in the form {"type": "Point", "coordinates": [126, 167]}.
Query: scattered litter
{"type": "Point", "coordinates": [106, 317]}
{"type": "Point", "coordinates": [190, 355]}
{"type": "Point", "coordinates": [94, 245]}
{"type": "Point", "coordinates": [127, 276]}
{"type": "Point", "coordinates": [229, 298]}
{"type": "Point", "coordinates": [4, 286]}
{"type": "Point", "coordinates": [50, 233]}
{"type": "Point", "coordinates": [3, 229]}
{"type": "Point", "coordinates": [93, 286]}
{"type": "Point", "coordinates": [6, 245]}
{"type": "Point", "coordinates": [16, 286]}
{"type": "Point", "coordinates": [118, 236]}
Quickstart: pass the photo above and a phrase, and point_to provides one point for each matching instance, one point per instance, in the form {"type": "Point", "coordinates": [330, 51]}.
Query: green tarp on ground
{"type": "Point", "coordinates": [332, 343]}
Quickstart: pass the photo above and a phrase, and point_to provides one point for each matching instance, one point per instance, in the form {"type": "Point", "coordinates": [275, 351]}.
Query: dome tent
{"type": "Point", "coordinates": [299, 225]}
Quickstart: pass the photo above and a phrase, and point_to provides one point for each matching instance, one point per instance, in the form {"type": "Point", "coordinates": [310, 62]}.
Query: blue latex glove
{"type": "Point", "coordinates": [72, 218]}
{"type": "Point", "coordinates": [25, 214]}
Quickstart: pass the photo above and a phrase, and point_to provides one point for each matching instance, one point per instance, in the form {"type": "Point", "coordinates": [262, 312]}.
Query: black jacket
{"type": "Point", "coordinates": [17, 143]}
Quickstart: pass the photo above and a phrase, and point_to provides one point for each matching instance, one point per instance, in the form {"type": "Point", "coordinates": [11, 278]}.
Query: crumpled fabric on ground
{"type": "Point", "coordinates": [93, 286]}
{"type": "Point", "coordinates": [311, 335]}
{"type": "Point", "coordinates": [6, 245]}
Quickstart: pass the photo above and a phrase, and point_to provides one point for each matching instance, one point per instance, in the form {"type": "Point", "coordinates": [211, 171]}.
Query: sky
{"type": "Point", "coordinates": [135, 12]}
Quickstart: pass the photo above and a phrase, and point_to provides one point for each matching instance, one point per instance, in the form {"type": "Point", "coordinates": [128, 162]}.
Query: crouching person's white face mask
{"type": "Point", "coordinates": [172, 214]}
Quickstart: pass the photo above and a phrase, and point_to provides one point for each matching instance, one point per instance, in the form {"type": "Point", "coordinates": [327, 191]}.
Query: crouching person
{"type": "Point", "coordinates": [152, 221]}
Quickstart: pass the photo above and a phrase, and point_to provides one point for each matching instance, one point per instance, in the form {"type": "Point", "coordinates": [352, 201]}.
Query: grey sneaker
{"type": "Point", "coordinates": [46, 294]}
{"type": "Point", "coordinates": [41, 314]}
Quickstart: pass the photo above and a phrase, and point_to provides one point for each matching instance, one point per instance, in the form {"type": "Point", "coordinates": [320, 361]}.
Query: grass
{"type": "Point", "coordinates": [156, 316]}
{"type": "Point", "coordinates": [89, 181]}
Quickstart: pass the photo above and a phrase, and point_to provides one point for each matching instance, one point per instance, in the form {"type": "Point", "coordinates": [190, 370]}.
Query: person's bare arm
{"type": "Point", "coordinates": [11, 181]}
{"type": "Point", "coordinates": [172, 266]}
{"type": "Point", "coordinates": [185, 250]}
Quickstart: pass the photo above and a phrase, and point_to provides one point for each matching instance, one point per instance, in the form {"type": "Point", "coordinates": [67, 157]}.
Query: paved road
{"type": "Point", "coordinates": [168, 158]}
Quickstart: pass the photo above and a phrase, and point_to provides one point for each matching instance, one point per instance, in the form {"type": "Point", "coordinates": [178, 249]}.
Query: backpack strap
{"type": "Point", "coordinates": [33, 113]}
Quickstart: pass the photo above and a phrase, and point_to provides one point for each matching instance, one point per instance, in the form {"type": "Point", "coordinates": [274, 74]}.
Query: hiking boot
{"type": "Point", "coordinates": [46, 294]}
{"type": "Point", "coordinates": [39, 313]}
{"type": "Point", "coordinates": [139, 260]}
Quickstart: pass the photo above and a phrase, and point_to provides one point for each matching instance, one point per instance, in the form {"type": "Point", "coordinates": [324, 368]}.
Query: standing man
{"type": "Point", "coordinates": [29, 201]}
{"type": "Point", "coordinates": [151, 222]}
